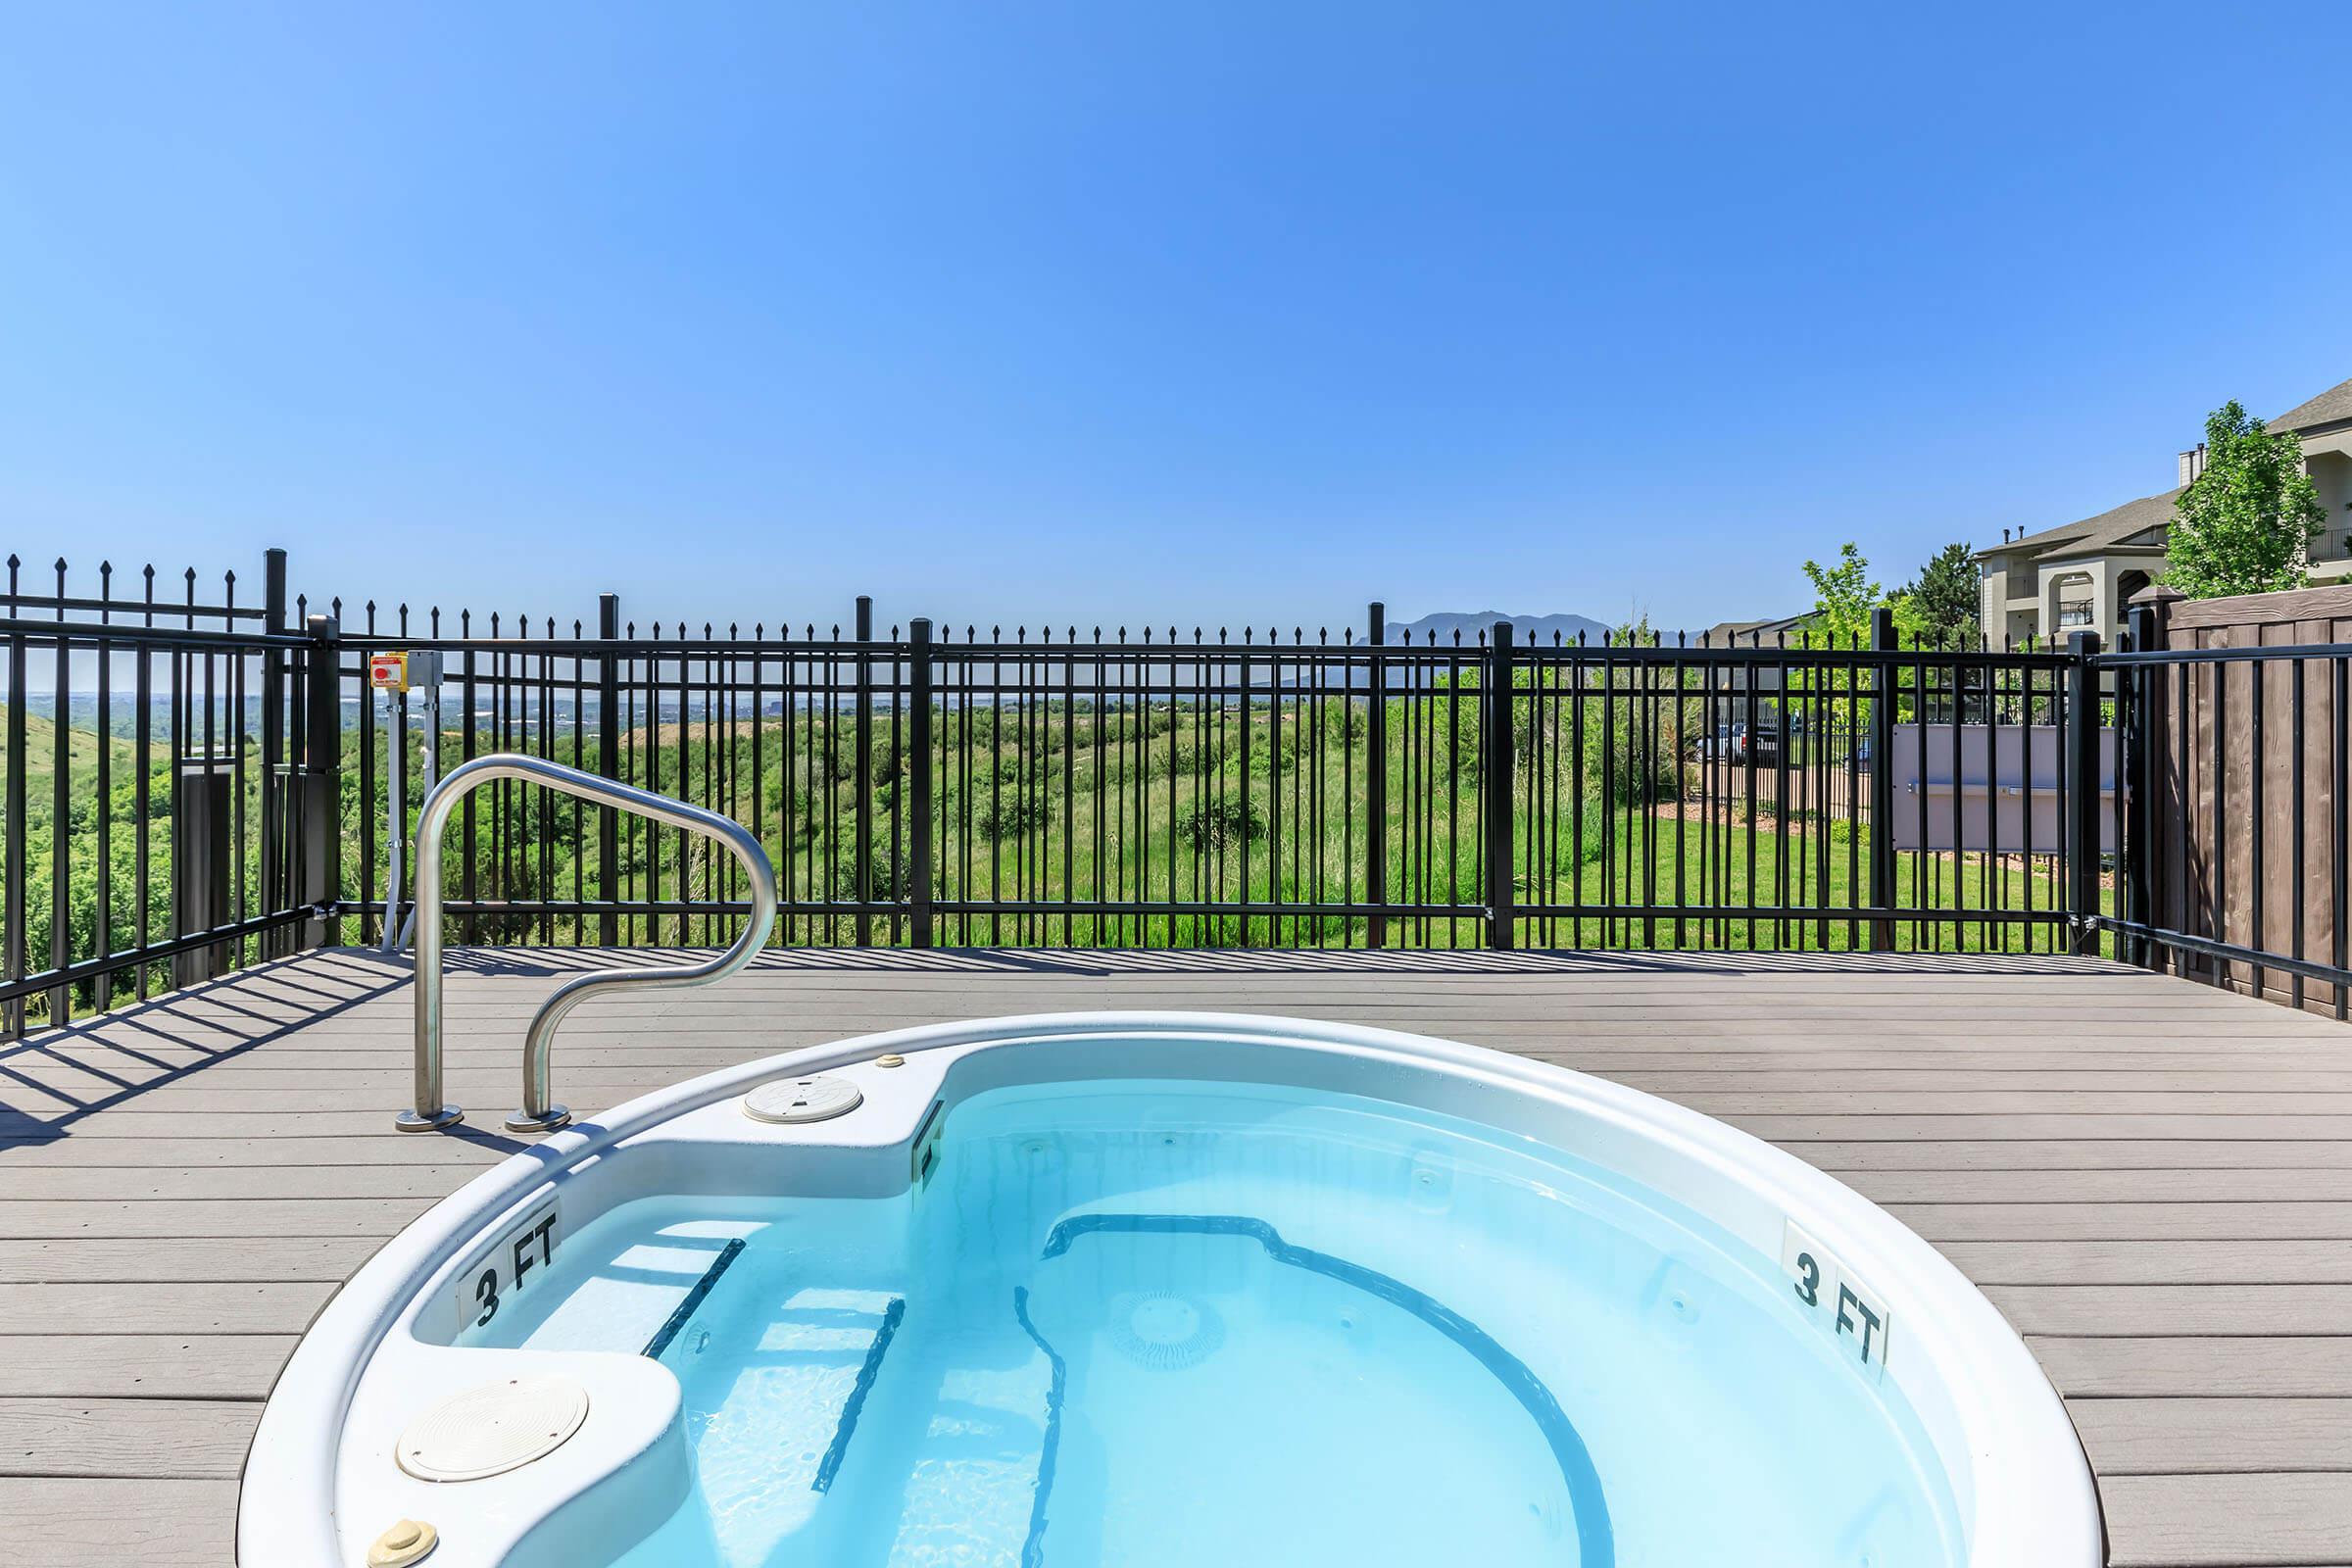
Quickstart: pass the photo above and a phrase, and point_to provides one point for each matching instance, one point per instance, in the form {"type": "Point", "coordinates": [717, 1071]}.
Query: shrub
{"type": "Point", "coordinates": [890, 874]}
{"type": "Point", "coordinates": [1010, 814]}
{"type": "Point", "coordinates": [1212, 825]}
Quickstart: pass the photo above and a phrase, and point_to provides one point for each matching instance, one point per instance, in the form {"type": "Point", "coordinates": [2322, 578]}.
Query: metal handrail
{"type": "Point", "coordinates": [429, 1114]}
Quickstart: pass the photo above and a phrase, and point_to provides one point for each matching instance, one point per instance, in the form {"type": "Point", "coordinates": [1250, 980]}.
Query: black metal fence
{"type": "Point", "coordinates": [226, 779]}
{"type": "Point", "coordinates": [1158, 788]}
{"type": "Point", "coordinates": [152, 825]}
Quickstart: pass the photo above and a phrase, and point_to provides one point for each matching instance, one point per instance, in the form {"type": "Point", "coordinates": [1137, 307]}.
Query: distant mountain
{"type": "Point", "coordinates": [1525, 629]}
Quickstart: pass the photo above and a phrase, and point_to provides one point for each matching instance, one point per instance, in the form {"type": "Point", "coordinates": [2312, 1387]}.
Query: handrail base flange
{"type": "Point", "coordinates": [417, 1121]}
{"type": "Point", "coordinates": [547, 1121]}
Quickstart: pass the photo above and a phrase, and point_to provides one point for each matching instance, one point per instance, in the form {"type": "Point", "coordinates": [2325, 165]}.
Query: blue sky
{"type": "Point", "coordinates": [1125, 312]}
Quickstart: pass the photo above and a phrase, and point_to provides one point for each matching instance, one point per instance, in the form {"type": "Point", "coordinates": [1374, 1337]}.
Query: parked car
{"type": "Point", "coordinates": [1728, 743]}
{"type": "Point", "coordinates": [1737, 743]}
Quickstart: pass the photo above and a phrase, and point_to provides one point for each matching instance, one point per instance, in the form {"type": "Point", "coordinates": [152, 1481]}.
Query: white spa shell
{"type": "Point", "coordinates": [323, 1481]}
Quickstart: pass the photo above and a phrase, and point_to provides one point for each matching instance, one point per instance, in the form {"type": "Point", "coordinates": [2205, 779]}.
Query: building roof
{"type": "Point", "coordinates": [2109, 529]}
{"type": "Point", "coordinates": [1753, 633]}
{"type": "Point", "coordinates": [2121, 526]}
{"type": "Point", "coordinates": [2327, 407]}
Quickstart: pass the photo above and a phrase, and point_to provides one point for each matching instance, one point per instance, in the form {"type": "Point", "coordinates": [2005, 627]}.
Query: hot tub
{"type": "Point", "coordinates": [1161, 1289]}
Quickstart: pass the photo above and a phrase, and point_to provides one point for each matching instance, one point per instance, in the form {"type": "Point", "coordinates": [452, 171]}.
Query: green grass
{"type": "Point", "coordinates": [1733, 865]}
{"type": "Point", "coordinates": [81, 751]}
{"type": "Point", "coordinates": [1010, 832]}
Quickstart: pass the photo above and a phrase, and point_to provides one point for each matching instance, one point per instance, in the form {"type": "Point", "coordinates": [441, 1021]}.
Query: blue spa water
{"type": "Point", "coordinates": [1182, 1323]}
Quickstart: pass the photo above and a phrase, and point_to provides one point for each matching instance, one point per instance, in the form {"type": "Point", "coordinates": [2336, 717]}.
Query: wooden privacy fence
{"type": "Point", "coordinates": [2236, 722]}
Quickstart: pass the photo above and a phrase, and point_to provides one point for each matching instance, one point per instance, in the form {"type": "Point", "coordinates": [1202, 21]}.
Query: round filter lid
{"type": "Point", "coordinates": [798, 1100]}
{"type": "Point", "coordinates": [492, 1428]}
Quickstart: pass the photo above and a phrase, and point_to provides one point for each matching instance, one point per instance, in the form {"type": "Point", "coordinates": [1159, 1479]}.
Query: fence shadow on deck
{"type": "Point", "coordinates": [53, 1080]}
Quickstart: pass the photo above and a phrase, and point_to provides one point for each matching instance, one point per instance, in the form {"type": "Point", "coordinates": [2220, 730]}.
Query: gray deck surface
{"type": "Point", "coordinates": [2151, 1178]}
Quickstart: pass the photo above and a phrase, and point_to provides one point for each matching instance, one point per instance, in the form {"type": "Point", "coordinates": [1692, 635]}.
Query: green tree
{"type": "Point", "coordinates": [1635, 633]}
{"type": "Point", "coordinates": [2242, 524]}
{"type": "Point", "coordinates": [1844, 595]}
{"type": "Point", "coordinates": [1938, 606]}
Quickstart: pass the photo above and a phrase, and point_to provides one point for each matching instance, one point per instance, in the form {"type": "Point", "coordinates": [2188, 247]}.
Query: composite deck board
{"type": "Point", "coordinates": [2222, 1436]}
{"type": "Point", "coordinates": [154, 1524]}
{"type": "Point", "coordinates": [2159, 1521]}
{"type": "Point", "coordinates": [2152, 1179]}
{"type": "Point", "coordinates": [2169, 1261]}
{"type": "Point", "coordinates": [2124, 1222]}
{"type": "Point", "coordinates": [189, 1439]}
{"type": "Point", "coordinates": [2136, 1311]}
{"type": "Point", "coordinates": [184, 1259]}
{"type": "Point", "coordinates": [2199, 1366]}
{"type": "Point", "coordinates": [242, 1306]}
{"type": "Point", "coordinates": [110, 1184]}
{"type": "Point", "coordinates": [140, 1367]}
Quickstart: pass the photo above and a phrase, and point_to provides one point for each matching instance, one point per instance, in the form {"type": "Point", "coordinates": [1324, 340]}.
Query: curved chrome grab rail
{"type": "Point", "coordinates": [429, 1114]}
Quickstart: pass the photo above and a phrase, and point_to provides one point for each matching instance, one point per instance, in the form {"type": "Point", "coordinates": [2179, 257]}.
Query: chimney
{"type": "Point", "coordinates": [2004, 536]}
{"type": "Point", "coordinates": [2192, 463]}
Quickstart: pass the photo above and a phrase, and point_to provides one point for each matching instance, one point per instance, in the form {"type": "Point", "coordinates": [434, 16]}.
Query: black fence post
{"type": "Point", "coordinates": [1887, 671]}
{"type": "Point", "coordinates": [607, 765]}
{"type": "Point", "coordinates": [1375, 780]}
{"type": "Point", "coordinates": [2138, 773]}
{"type": "Point", "coordinates": [12, 861]}
{"type": "Point", "coordinates": [200, 868]}
{"type": "Point", "coordinates": [278, 883]}
{"type": "Point", "coordinates": [2083, 779]}
{"type": "Point", "coordinates": [863, 750]}
{"type": "Point", "coordinates": [918, 780]}
{"type": "Point", "coordinates": [1495, 781]}
{"type": "Point", "coordinates": [470, 885]}
{"type": "Point", "coordinates": [61, 816]}
{"type": "Point", "coordinates": [321, 848]}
